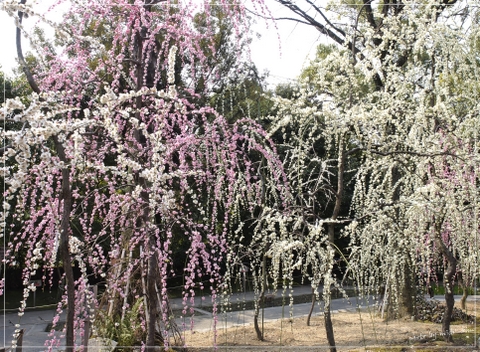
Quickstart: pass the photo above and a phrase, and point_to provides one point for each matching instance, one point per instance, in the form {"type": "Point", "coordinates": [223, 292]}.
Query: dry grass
{"type": "Point", "coordinates": [353, 331]}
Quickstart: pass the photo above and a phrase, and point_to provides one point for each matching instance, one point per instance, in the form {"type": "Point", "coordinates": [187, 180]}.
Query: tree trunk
{"type": "Point", "coordinates": [449, 299]}
{"type": "Point", "coordinates": [327, 315]}
{"type": "Point", "coordinates": [21, 58]}
{"type": "Point", "coordinates": [151, 278]}
{"type": "Point", "coordinates": [463, 300]}
{"type": "Point", "coordinates": [329, 328]}
{"type": "Point", "coordinates": [152, 302]}
{"type": "Point", "coordinates": [342, 158]}
{"type": "Point", "coordinates": [314, 299]}
{"type": "Point", "coordinates": [255, 323]}
{"type": "Point", "coordinates": [64, 246]}
{"type": "Point", "coordinates": [407, 294]}
{"type": "Point", "coordinates": [448, 282]}
{"type": "Point", "coordinates": [261, 300]}
{"type": "Point", "coordinates": [401, 301]}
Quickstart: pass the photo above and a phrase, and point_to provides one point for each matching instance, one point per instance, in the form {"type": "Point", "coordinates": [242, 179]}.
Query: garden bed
{"type": "Point", "coordinates": [353, 332]}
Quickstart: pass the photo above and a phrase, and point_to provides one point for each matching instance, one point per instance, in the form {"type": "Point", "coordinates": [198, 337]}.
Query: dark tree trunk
{"type": "Point", "coordinates": [463, 300]}
{"type": "Point", "coordinates": [329, 328]}
{"type": "Point", "coordinates": [23, 63]}
{"type": "Point", "coordinates": [261, 300]}
{"type": "Point", "coordinates": [152, 302]}
{"type": "Point", "coordinates": [331, 236]}
{"type": "Point", "coordinates": [327, 314]}
{"type": "Point", "coordinates": [314, 299]}
{"type": "Point", "coordinates": [402, 305]}
{"type": "Point", "coordinates": [151, 277]}
{"type": "Point", "coordinates": [449, 299]}
{"type": "Point", "coordinates": [64, 246]}
{"type": "Point", "coordinates": [408, 292]}
{"type": "Point", "coordinates": [255, 323]}
{"type": "Point", "coordinates": [448, 281]}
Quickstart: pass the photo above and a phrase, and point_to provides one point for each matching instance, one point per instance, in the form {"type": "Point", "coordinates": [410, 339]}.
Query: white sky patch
{"type": "Point", "coordinates": [7, 43]}
{"type": "Point", "coordinates": [284, 59]}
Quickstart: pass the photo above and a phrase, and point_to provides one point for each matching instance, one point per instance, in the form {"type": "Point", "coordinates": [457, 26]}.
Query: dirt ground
{"type": "Point", "coordinates": [353, 331]}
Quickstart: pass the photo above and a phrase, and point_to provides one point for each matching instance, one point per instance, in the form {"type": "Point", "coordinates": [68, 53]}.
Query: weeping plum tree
{"type": "Point", "coordinates": [114, 162]}
{"type": "Point", "coordinates": [412, 131]}
{"type": "Point", "coordinates": [388, 41]}
{"type": "Point", "coordinates": [319, 159]}
{"type": "Point", "coordinates": [401, 126]}
{"type": "Point", "coordinates": [388, 93]}
{"type": "Point", "coordinates": [444, 210]}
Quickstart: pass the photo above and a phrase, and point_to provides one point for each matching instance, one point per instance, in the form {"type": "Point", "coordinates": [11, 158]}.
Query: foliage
{"type": "Point", "coordinates": [12, 87]}
{"type": "Point", "coordinates": [126, 331]}
{"type": "Point", "coordinates": [243, 95]}
{"type": "Point", "coordinates": [224, 49]}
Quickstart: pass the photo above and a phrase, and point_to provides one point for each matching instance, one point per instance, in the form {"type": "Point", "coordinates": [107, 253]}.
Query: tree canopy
{"type": "Point", "coordinates": [115, 157]}
{"type": "Point", "coordinates": [385, 94]}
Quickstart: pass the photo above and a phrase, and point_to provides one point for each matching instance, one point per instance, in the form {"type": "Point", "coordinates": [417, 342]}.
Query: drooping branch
{"type": "Point", "coordinates": [21, 58]}
{"type": "Point", "coordinates": [340, 182]}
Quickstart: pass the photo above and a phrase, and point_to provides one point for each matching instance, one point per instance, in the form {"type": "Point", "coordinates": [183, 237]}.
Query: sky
{"type": "Point", "coordinates": [283, 59]}
{"type": "Point", "coordinates": [7, 42]}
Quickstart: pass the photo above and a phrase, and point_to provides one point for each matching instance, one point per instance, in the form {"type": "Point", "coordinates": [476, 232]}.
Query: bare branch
{"type": "Point", "coordinates": [311, 21]}
{"type": "Point", "coordinates": [353, 150]}
{"type": "Point", "coordinates": [26, 70]}
{"type": "Point", "coordinates": [320, 12]}
{"type": "Point", "coordinates": [397, 152]}
{"type": "Point", "coordinates": [368, 9]}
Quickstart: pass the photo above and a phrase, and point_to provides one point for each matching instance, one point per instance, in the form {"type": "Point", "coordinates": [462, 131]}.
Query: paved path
{"type": "Point", "coordinates": [35, 322]}
{"type": "Point", "coordinates": [203, 321]}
